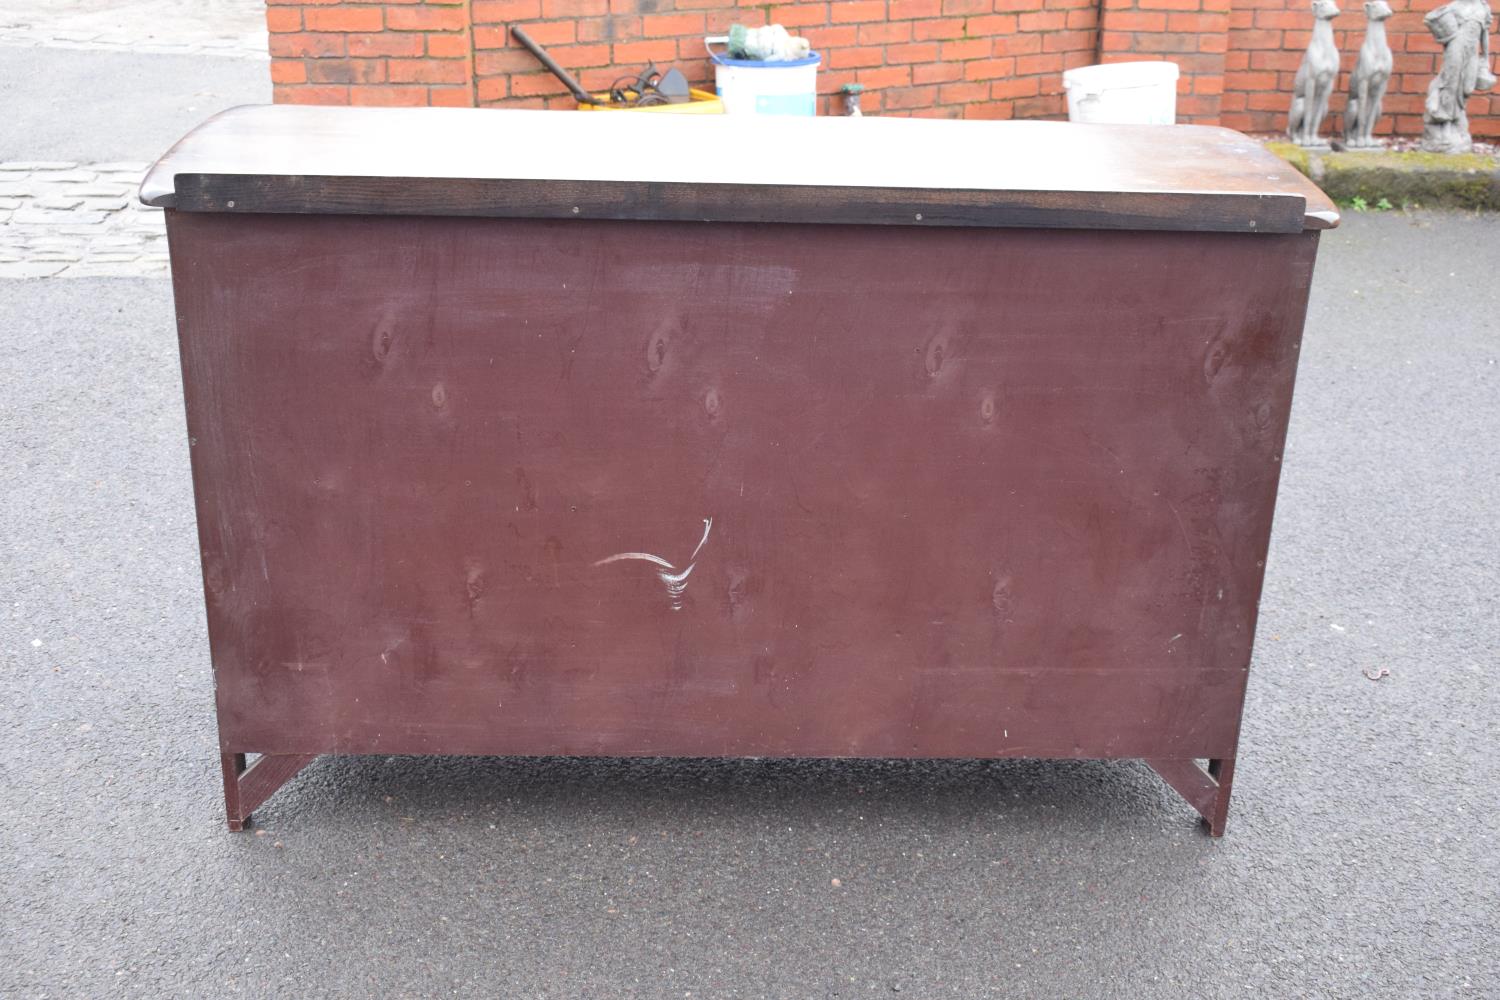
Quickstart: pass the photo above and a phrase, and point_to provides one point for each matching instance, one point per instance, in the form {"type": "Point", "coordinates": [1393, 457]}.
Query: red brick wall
{"type": "Point", "coordinates": [975, 58]}
{"type": "Point", "coordinates": [953, 58]}
{"type": "Point", "coordinates": [1266, 42]}
{"type": "Point", "coordinates": [1190, 33]}
{"type": "Point", "coordinates": [411, 52]}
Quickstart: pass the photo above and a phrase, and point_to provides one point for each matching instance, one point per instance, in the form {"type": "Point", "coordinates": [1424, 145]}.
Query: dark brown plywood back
{"type": "Point", "coordinates": [941, 492]}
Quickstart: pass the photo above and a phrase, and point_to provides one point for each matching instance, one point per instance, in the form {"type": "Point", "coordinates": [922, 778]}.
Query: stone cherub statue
{"type": "Point", "coordinates": [1463, 29]}
{"type": "Point", "coordinates": [1315, 78]}
{"type": "Point", "coordinates": [1372, 71]}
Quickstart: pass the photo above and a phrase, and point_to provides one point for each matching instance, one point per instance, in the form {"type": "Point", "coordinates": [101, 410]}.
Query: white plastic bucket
{"type": "Point", "coordinates": [751, 87]}
{"type": "Point", "coordinates": [1126, 93]}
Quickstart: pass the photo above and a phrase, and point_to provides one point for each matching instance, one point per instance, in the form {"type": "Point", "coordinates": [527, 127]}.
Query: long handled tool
{"type": "Point", "coordinates": [647, 90]}
{"type": "Point", "coordinates": [568, 80]}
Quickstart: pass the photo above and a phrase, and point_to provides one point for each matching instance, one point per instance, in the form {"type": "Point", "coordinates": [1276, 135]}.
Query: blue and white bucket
{"type": "Point", "coordinates": [753, 87]}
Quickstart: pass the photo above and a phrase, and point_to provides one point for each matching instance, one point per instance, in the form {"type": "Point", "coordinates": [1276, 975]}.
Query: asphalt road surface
{"type": "Point", "coordinates": [1361, 859]}
{"type": "Point", "coordinates": [70, 104]}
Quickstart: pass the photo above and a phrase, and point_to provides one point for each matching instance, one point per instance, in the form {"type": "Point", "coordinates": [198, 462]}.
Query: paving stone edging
{"type": "Point", "coordinates": [77, 220]}
{"type": "Point", "coordinates": [233, 28]}
{"type": "Point", "coordinates": [1430, 180]}
{"type": "Point", "coordinates": [233, 48]}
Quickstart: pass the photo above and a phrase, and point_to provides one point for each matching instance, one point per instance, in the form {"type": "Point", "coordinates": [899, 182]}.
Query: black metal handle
{"type": "Point", "coordinates": [583, 96]}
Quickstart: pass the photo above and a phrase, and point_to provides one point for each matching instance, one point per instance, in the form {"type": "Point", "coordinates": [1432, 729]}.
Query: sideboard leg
{"type": "Point", "coordinates": [245, 788]}
{"type": "Point", "coordinates": [1221, 769]}
{"type": "Point", "coordinates": [233, 765]}
{"type": "Point", "coordinates": [1207, 792]}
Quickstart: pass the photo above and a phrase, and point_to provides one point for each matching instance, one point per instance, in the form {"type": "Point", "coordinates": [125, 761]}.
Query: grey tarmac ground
{"type": "Point", "coordinates": [1361, 858]}
{"type": "Point", "coordinates": [79, 126]}
{"type": "Point", "coordinates": [77, 104]}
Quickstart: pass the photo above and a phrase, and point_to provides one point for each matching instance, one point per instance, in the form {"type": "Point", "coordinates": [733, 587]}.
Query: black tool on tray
{"type": "Point", "coordinates": [649, 89]}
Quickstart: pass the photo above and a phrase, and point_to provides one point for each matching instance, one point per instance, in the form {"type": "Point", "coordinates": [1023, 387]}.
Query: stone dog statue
{"type": "Point", "coordinates": [1315, 78]}
{"type": "Point", "coordinates": [1372, 71]}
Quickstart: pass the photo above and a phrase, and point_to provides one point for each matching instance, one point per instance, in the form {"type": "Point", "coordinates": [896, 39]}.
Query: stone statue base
{"type": "Point", "coordinates": [1446, 137]}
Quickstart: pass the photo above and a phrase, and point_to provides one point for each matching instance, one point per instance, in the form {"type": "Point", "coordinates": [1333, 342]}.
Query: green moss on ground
{"type": "Point", "coordinates": [1452, 180]}
{"type": "Point", "coordinates": [1412, 161]}
{"type": "Point", "coordinates": [1293, 154]}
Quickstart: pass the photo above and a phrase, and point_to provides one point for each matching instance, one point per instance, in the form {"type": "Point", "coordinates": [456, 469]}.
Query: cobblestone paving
{"type": "Point", "coordinates": [77, 220]}
{"type": "Point", "coordinates": [209, 27]}
{"type": "Point", "coordinates": [82, 219]}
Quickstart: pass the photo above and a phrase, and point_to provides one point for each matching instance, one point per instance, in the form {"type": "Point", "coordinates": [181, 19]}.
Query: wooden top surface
{"type": "Point", "coordinates": [465, 161]}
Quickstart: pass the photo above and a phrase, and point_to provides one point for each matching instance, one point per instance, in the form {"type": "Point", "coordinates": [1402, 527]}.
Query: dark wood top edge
{"type": "Point", "coordinates": [1003, 161]}
{"type": "Point", "coordinates": [675, 202]}
{"type": "Point", "coordinates": [1319, 219]}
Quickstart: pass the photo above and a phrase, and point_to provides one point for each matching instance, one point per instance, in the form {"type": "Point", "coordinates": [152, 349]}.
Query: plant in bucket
{"type": "Point", "coordinates": [764, 71]}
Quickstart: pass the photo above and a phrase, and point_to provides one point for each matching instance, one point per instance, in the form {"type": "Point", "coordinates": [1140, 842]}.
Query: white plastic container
{"type": "Point", "coordinates": [751, 87]}
{"type": "Point", "coordinates": [1126, 93]}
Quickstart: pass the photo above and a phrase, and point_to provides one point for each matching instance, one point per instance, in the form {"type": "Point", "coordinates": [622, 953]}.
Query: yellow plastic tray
{"type": "Point", "coordinates": [703, 103]}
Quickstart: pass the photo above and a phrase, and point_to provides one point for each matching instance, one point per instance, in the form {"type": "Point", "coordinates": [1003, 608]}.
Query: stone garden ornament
{"type": "Point", "coordinates": [1315, 78]}
{"type": "Point", "coordinates": [1372, 71]}
{"type": "Point", "coordinates": [1463, 29]}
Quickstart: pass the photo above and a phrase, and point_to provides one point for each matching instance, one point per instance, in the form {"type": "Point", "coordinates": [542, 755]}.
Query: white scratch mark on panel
{"type": "Point", "coordinates": [674, 581]}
